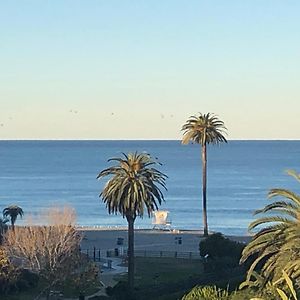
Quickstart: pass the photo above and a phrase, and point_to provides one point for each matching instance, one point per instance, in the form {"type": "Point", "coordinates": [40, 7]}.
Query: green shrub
{"type": "Point", "coordinates": [27, 280]}
{"type": "Point", "coordinates": [9, 275]}
{"type": "Point", "coordinates": [207, 293]}
{"type": "Point", "coordinates": [216, 245]}
{"type": "Point", "coordinates": [120, 292]}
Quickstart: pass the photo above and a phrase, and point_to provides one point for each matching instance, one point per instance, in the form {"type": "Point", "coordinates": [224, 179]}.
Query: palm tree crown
{"type": "Point", "coordinates": [277, 242]}
{"type": "Point", "coordinates": [13, 211]}
{"type": "Point", "coordinates": [204, 129]}
{"type": "Point", "coordinates": [133, 186]}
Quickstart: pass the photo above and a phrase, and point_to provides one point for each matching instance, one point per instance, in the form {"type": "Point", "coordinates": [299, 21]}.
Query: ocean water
{"type": "Point", "coordinates": [40, 174]}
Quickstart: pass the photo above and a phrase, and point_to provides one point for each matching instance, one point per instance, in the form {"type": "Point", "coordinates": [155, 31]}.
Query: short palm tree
{"type": "Point", "coordinates": [13, 211]}
{"type": "Point", "coordinates": [204, 129]}
{"type": "Point", "coordinates": [277, 243]}
{"type": "Point", "coordinates": [134, 187]}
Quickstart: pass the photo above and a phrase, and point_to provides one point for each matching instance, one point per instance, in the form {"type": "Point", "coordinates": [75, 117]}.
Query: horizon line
{"type": "Point", "coordinates": [140, 139]}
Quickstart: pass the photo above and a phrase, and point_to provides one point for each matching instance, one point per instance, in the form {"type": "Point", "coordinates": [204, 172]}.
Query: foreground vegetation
{"type": "Point", "coordinates": [171, 278]}
{"type": "Point", "coordinates": [67, 289]}
{"type": "Point", "coordinates": [272, 257]}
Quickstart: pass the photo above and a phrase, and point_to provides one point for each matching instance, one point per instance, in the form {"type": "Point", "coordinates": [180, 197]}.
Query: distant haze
{"type": "Point", "coordinates": [133, 69]}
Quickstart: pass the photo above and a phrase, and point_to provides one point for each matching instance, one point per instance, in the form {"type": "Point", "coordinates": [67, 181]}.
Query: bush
{"type": "Point", "coordinates": [207, 293]}
{"type": "Point", "coordinates": [27, 280]}
{"type": "Point", "coordinates": [9, 275]}
{"type": "Point", "coordinates": [216, 245]}
{"type": "Point", "coordinates": [120, 292]}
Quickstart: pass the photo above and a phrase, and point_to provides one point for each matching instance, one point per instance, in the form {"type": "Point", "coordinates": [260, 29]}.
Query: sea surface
{"type": "Point", "coordinates": [40, 174]}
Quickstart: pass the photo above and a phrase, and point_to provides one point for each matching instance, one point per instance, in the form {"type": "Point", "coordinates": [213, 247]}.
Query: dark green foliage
{"type": "Point", "coordinates": [216, 245]}
{"type": "Point", "coordinates": [222, 264]}
{"type": "Point", "coordinates": [13, 211]}
{"type": "Point", "coordinates": [204, 129]}
{"type": "Point", "coordinates": [27, 280]}
{"type": "Point", "coordinates": [85, 276]}
{"type": "Point", "coordinates": [13, 279]}
{"type": "Point", "coordinates": [121, 291]}
{"type": "Point", "coordinates": [247, 294]}
{"type": "Point", "coordinates": [3, 228]}
{"type": "Point", "coordinates": [207, 293]}
{"type": "Point", "coordinates": [9, 275]}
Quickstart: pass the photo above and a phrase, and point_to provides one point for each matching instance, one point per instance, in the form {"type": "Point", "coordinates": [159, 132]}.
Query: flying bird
{"type": "Point", "coordinates": [73, 111]}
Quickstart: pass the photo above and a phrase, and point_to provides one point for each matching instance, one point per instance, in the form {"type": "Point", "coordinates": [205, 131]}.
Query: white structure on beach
{"type": "Point", "coordinates": [161, 220]}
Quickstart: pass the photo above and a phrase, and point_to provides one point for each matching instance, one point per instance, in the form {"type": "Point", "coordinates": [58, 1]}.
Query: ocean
{"type": "Point", "coordinates": [40, 174]}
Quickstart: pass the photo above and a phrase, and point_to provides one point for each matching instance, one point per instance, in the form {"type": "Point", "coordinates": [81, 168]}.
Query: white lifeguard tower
{"type": "Point", "coordinates": [161, 220]}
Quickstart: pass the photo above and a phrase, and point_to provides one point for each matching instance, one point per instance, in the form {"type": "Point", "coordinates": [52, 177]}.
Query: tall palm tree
{"type": "Point", "coordinates": [277, 242]}
{"type": "Point", "coordinates": [204, 129]}
{"type": "Point", "coordinates": [13, 211]}
{"type": "Point", "coordinates": [134, 187]}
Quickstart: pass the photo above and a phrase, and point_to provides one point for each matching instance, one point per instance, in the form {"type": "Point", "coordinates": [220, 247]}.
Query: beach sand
{"type": "Point", "coordinates": [146, 239]}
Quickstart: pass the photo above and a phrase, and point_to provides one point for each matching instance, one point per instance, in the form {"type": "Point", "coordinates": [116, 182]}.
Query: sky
{"type": "Point", "coordinates": [137, 69]}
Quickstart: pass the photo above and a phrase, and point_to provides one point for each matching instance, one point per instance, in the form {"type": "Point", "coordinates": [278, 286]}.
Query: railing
{"type": "Point", "coordinates": [171, 254]}
{"type": "Point", "coordinates": [95, 254]}
{"type": "Point", "coordinates": [101, 255]}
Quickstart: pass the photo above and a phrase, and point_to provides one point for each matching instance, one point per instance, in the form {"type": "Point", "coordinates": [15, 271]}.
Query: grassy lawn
{"type": "Point", "coordinates": [165, 270]}
{"type": "Point", "coordinates": [165, 278]}
{"type": "Point", "coordinates": [170, 278]}
{"type": "Point", "coordinates": [70, 291]}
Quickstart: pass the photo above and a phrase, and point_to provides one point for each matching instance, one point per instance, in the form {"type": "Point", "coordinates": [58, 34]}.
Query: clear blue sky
{"type": "Point", "coordinates": [138, 69]}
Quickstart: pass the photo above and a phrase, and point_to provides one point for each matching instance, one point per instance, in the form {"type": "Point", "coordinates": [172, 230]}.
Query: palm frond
{"type": "Point", "coordinates": [277, 243]}
{"type": "Point", "coordinates": [204, 129]}
{"type": "Point", "coordinates": [133, 185]}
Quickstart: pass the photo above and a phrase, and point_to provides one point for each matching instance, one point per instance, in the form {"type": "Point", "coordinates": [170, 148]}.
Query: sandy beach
{"type": "Point", "coordinates": [147, 239]}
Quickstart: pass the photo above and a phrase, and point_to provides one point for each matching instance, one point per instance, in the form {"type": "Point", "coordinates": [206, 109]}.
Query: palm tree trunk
{"type": "Point", "coordinates": [204, 186]}
{"type": "Point", "coordinates": [130, 221]}
{"type": "Point", "coordinates": [12, 225]}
